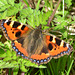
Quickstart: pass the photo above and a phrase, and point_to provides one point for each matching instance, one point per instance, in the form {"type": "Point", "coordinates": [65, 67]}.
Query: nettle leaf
{"type": "Point", "coordinates": [8, 56]}
{"type": "Point", "coordinates": [26, 12]}
{"type": "Point", "coordinates": [21, 5]}
{"type": "Point", "coordinates": [43, 17]}
{"type": "Point", "coordinates": [4, 7]}
{"type": "Point", "coordinates": [11, 7]}
{"type": "Point", "coordinates": [3, 15]}
{"type": "Point", "coordinates": [14, 9]}
{"type": "Point", "coordinates": [60, 22]}
{"type": "Point", "coordinates": [38, 18]}
{"type": "Point", "coordinates": [3, 2]}
{"type": "Point", "coordinates": [33, 19]}
{"type": "Point", "coordinates": [59, 19]}
{"type": "Point", "coordinates": [11, 2]}
{"type": "Point", "coordinates": [22, 20]}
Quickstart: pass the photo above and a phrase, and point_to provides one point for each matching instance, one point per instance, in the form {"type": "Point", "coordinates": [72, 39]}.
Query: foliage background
{"type": "Point", "coordinates": [34, 13]}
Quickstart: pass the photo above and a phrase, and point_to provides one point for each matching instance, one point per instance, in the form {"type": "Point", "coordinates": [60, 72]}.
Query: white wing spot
{"type": "Point", "coordinates": [19, 27]}
{"type": "Point", "coordinates": [62, 42]}
{"type": "Point", "coordinates": [12, 23]}
{"type": "Point", "coordinates": [67, 45]}
{"type": "Point", "coordinates": [6, 21]}
{"type": "Point", "coordinates": [53, 39]}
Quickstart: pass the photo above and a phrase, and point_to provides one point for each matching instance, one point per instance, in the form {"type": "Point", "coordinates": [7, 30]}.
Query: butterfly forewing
{"type": "Point", "coordinates": [12, 29]}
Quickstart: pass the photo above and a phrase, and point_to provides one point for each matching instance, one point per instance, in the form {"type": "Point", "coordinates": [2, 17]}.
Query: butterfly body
{"type": "Point", "coordinates": [34, 44]}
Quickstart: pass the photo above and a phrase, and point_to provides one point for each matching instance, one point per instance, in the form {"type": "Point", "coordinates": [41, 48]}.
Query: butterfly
{"type": "Point", "coordinates": [34, 44]}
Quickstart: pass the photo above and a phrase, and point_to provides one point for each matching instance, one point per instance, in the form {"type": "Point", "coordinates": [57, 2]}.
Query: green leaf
{"type": "Point", "coordinates": [7, 65]}
{"type": "Point", "coordinates": [43, 17]}
{"type": "Point", "coordinates": [38, 3]}
{"type": "Point", "coordinates": [65, 34]}
{"type": "Point", "coordinates": [15, 71]}
{"type": "Point", "coordinates": [1, 44]}
{"type": "Point", "coordinates": [26, 12]}
{"type": "Point", "coordinates": [26, 2]}
{"type": "Point", "coordinates": [11, 2]}
{"type": "Point", "coordinates": [3, 2]}
{"type": "Point", "coordinates": [22, 67]}
{"type": "Point", "coordinates": [12, 11]}
{"type": "Point", "coordinates": [0, 36]}
{"type": "Point", "coordinates": [3, 8]}
{"type": "Point", "coordinates": [8, 44]}
{"type": "Point", "coordinates": [2, 53]}
{"type": "Point", "coordinates": [68, 2]}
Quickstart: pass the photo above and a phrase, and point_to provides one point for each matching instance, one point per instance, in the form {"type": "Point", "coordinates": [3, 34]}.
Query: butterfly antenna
{"type": "Point", "coordinates": [49, 21]}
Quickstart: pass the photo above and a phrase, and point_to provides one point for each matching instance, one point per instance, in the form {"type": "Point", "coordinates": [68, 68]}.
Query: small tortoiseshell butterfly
{"type": "Point", "coordinates": [34, 44]}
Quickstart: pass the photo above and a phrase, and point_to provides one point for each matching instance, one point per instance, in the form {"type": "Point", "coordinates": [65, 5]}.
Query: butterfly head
{"type": "Point", "coordinates": [39, 27]}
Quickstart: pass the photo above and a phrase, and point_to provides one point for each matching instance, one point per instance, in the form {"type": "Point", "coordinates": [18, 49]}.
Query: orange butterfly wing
{"type": "Point", "coordinates": [12, 29]}
{"type": "Point", "coordinates": [57, 47]}
{"type": "Point", "coordinates": [41, 58]}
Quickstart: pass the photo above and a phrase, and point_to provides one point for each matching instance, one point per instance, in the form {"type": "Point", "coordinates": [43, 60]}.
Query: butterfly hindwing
{"type": "Point", "coordinates": [57, 47]}
{"type": "Point", "coordinates": [12, 29]}
{"type": "Point", "coordinates": [41, 58]}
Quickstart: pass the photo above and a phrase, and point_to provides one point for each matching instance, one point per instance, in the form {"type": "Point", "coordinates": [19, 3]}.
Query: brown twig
{"type": "Point", "coordinates": [49, 21]}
